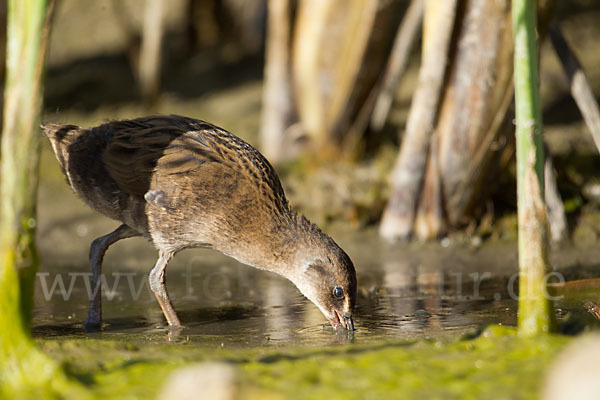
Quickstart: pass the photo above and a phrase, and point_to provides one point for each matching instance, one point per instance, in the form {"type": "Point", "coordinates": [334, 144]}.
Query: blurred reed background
{"type": "Point", "coordinates": [333, 93]}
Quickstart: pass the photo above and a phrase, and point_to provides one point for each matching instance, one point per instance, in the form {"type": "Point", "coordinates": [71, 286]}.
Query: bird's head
{"type": "Point", "coordinates": [328, 279]}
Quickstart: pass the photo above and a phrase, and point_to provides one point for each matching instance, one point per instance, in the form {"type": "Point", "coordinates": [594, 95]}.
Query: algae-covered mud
{"type": "Point", "coordinates": [497, 364]}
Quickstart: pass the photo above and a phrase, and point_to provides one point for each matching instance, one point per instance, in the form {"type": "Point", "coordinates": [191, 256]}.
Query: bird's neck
{"type": "Point", "coordinates": [284, 247]}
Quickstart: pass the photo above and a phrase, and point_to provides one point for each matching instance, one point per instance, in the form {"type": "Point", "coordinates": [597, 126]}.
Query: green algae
{"type": "Point", "coordinates": [496, 364]}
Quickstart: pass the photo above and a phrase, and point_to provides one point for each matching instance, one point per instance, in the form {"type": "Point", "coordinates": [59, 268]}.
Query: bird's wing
{"type": "Point", "coordinates": [136, 148]}
{"type": "Point", "coordinates": [172, 145]}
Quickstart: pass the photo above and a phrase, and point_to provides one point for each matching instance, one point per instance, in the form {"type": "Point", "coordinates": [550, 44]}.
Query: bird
{"type": "Point", "coordinates": [182, 183]}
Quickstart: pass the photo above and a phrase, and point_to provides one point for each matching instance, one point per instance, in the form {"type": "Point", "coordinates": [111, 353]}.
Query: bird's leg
{"type": "Point", "coordinates": [97, 250]}
{"type": "Point", "coordinates": [157, 285]}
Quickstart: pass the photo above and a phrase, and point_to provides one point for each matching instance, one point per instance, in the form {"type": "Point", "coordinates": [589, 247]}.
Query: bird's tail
{"type": "Point", "coordinates": [58, 132]}
{"type": "Point", "coordinates": [62, 137]}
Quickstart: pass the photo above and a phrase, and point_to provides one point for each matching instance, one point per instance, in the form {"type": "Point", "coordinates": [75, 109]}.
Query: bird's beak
{"type": "Point", "coordinates": [341, 320]}
{"type": "Point", "coordinates": [349, 323]}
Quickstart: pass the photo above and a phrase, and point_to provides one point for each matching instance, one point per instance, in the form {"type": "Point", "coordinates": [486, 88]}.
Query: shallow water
{"type": "Point", "coordinates": [238, 304]}
{"type": "Point", "coordinates": [406, 291]}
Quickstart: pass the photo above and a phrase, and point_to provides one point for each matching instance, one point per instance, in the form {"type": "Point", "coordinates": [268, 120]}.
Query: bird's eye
{"type": "Point", "coordinates": [338, 292]}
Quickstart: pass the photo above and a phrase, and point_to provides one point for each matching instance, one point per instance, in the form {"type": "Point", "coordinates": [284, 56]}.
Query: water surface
{"type": "Point", "coordinates": [405, 292]}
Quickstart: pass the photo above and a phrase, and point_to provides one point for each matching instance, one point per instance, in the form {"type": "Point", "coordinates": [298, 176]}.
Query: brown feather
{"type": "Point", "coordinates": [182, 183]}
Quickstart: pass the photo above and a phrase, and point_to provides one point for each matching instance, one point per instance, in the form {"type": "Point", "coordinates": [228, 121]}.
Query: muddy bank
{"type": "Point", "coordinates": [497, 364]}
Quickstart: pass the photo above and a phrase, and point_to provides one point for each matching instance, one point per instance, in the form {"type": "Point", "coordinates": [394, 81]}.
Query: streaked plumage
{"type": "Point", "coordinates": [182, 183]}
